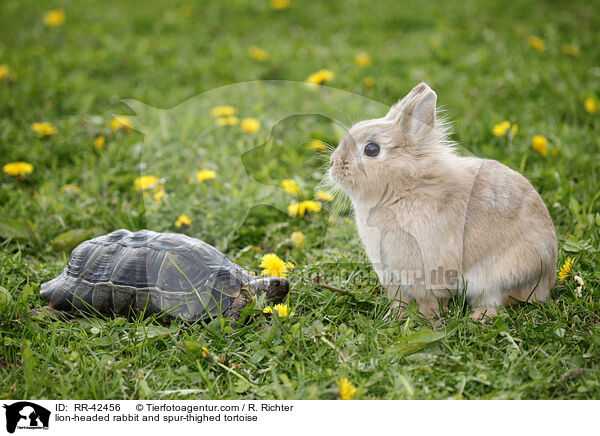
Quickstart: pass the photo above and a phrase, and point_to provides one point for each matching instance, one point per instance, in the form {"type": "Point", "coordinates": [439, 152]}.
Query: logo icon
{"type": "Point", "coordinates": [26, 415]}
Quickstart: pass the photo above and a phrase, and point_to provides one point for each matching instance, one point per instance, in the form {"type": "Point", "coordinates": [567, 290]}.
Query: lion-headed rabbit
{"type": "Point", "coordinates": [433, 222]}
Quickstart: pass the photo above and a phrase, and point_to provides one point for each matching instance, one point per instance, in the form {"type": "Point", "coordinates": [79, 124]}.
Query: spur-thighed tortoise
{"type": "Point", "coordinates": [145, 272]}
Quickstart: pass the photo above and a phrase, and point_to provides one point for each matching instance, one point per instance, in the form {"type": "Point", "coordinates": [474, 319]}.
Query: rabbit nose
{"type": "Point", "coordinates": [331, 161]}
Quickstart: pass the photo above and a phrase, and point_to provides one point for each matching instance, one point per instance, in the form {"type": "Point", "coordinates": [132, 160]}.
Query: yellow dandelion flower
{"type": "Point", "coordinates": [566, 269]}
{"type": "Point", "coordinates": [320, 77]}
{"type": "Point", "coordinates": [70, 189]}
{"type": "Point", "coordinates": [368, 82]}
{"type": "Point", "coordinates": [536, 43]}
{"type": "Point", "coordinates": [55, 18]}
{"type": "Point", "coordinates": [123, 122]}
{"type": "Point", "coordinates": [100, 142]}
{"type": "Point", "coordinates": [205, 352]}
{"type": "Point", "coordinates": [498, 130]}
{"type": "Point", "coordinates": [317, 145]}
{"type": "Point", "coordinates": [282, 310]}
{"type": "Point", "coordinates": [250, 125]}
{"type": "Point", "coordinates": [158, 195]}
{"type": "Point", "coordinates": [540, 144]}
{"type": "Point", "coordinates": [501, 129]}
{"type": "Point", "coordinates": [222, 111]}
{"type": "Point", "coordinates": [227, 121]}
{"type": "Point", "coordinates": [203, 175]}
{"type": "Point", "coordinates": [290, 187]}
{"type": "Point", "coordinates": [591, 106]}
{"type": "Point", "coordinates": [312, 206]}
{"type": "Point", "coordinates": [258, 54]}
{"type": "Point", "coordinates": [303, 207]}
{"type": "Point", "coordinates": [44, 129]}
{"type": "Point", "coordinates": [144, 183]}
{"type": "Point", "coordinates": [571, 50]}
{"type": "Point", "coordinates": [347, 391]}
{"type": "Point", "coordinates": [6, 74]}
{"type": "Point", "coordinates": [17, 169]}
{"type": "Point", "coordinates": [299, 239]}
{"type": "Point", "coordinates": [325, 196]}
{"type": "Point", "coordinates": [273, 266]}
{"type": "Point", "coordinates": [279, 5]}
{"type": "Point", "coordinates": [362, 59]}
{"type": "Point", "coordinates": [4, 71]}
{"type": "Point", "coordinates": [183, 220]}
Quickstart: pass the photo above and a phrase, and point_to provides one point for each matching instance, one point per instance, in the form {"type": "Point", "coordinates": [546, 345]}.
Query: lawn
{"type": "Point", "coordinates": [166, 68]}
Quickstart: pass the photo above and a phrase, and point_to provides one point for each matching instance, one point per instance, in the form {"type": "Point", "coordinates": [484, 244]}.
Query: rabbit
{"type": "Point", "coordinates": [434, 223]}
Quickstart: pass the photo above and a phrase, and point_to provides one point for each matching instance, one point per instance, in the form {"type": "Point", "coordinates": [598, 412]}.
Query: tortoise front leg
{"type": "Point", "coordinates": [235, 310]}
{"type": "Point", "coordinates": [47, 313]}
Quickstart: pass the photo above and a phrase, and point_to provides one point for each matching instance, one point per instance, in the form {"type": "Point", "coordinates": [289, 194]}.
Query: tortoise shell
{"type": "Point", "coordinates": [146, 272]}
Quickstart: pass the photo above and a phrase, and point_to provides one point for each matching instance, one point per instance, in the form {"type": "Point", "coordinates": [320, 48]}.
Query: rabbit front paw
{"type": "Point", "coordinates": [484, 313]}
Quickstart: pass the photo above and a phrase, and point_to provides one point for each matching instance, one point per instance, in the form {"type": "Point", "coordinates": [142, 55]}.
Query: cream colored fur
{"type": "Point", "coordinates": [423, 212]}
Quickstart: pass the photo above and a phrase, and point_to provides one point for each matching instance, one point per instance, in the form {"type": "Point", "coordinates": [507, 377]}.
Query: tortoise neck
{"type": "Point", "coordinates": [247, 289]}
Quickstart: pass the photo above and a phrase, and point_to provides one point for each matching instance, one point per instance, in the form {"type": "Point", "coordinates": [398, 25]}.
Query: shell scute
{"type": "Point", "coordinates": [123, 299]}
{"type": "Point", "coordinates": [102, 298]}
{"type": "Point", "coordinates": [115, 236]}
{"type": "Point", "coordinates": [99, 266]}
{"type": "Point", "coordinates": [83, 296]}
{"type": "Point", "coordinates": [58, 291]}
{"type": "Point", "coordinates": [176, 242]}
{"type": "Point", "coordinates": [181, 272]}
{"type": "Point", "coordinates": [138, 266]}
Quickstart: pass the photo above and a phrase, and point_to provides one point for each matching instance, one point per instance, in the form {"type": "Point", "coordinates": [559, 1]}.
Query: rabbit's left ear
{"type": "Point", "coordinates": [397, 109]}
{"type": "Point", "coordinates": [415, 113]}
{"type": "Point", "coordinates": [423, 115]}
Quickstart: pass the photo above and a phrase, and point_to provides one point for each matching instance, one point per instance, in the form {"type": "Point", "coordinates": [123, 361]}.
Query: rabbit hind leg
{"type": "Point", "coordinates": [529, 294]}
{"type": "Point", "coordinates": [430, 307]}
{"type": "Point", "coordinates": [398, 306]}
{"type": "Point", "coordinates": [485, 313]}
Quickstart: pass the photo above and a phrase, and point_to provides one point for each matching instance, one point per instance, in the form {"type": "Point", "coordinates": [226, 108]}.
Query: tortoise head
{"type": "Point", "coordinates": [275, 288]}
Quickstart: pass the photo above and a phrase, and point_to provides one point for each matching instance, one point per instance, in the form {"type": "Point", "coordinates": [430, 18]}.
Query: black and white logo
{"type": "Point", "coordinates": [26, 415]}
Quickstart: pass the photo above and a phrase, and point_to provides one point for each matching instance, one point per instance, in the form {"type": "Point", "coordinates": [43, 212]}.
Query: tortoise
{"type": "Point", "coordinates": [143, 273]}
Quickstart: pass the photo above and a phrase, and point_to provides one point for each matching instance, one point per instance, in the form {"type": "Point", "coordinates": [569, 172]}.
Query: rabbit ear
{"type": "Point", "coordinates": [415, 113]}
{"type": "Point", "coordinates": [423, 115]}
{"type": "Point", "coordinates": [399, 107]}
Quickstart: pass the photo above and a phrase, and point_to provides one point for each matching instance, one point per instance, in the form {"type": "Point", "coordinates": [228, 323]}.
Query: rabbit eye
{"type": "Point", "coordinates": [372, 149]}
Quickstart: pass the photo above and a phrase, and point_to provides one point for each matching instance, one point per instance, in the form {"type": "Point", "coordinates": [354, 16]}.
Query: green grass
{"type": "Point", "coordinates": [474, 54]}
